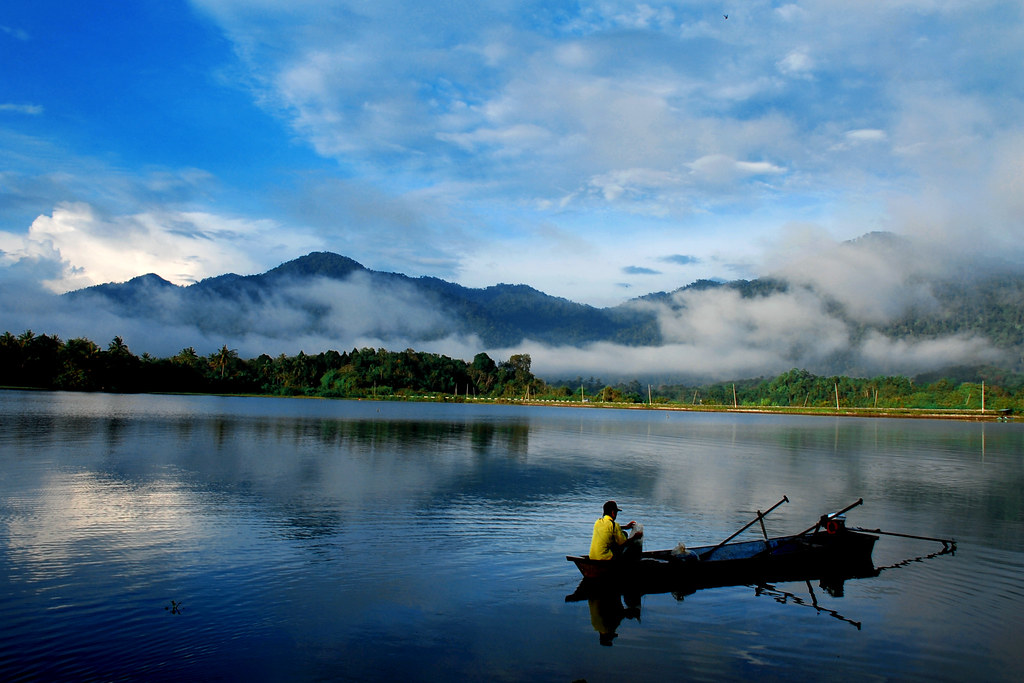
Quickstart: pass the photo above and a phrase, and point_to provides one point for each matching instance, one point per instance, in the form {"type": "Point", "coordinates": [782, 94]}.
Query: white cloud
{"type": "Point", "coordinates": [181, 247]}
{"type": "Point", "coordinates": [791, 12]}
{"type": "Point", "coordinates": [909, 357]}
{"type": "Point", "coordinates": [637, 181]}
{"type": "Point", "coordinates": [30, 109]}
{"type": "Point", "coordinates": [866, 135]}
{"type": "Point", "coordinates": [720, 169]}
{"type": "Point", "coordinates": [797, 64]}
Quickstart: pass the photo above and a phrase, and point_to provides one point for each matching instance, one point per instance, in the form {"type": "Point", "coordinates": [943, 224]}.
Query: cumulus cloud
{"type": "Point", "coordinates": [608, 101]}
{"type": "Point", "coordinates": [182, 247]}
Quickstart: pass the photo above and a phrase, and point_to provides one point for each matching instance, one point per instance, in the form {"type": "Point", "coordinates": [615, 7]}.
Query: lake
{"type": "Point", "coordinates": [177, 538]}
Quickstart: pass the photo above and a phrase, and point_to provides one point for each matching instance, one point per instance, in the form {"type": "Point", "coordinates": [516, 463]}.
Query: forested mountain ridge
{"type": "Point", "coordinates": [504, 315]}
{"type": "Point", "coordinates": [500, 315]}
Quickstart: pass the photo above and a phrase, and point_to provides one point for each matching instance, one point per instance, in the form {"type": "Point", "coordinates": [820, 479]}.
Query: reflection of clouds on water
{"type": "Point", "coordinates": [305, 475]}
{"type": "Point", "coordinates": [100, 520]}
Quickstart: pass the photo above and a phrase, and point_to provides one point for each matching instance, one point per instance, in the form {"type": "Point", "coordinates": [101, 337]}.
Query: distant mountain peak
{"type": "Point", "coordinates": [319, 263]}
{"type": "Point", "coordinates": [151, 279]}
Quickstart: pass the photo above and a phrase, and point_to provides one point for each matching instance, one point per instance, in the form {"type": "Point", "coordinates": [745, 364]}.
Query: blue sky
{"type": "Point", "coordinates": [594, 150]}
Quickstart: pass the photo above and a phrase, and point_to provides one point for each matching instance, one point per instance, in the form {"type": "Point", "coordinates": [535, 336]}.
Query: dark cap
{"type": "Point", "coordinates": [611, 507]}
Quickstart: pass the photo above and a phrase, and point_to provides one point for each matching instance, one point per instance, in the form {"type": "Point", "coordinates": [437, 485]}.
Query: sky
{"type": "Point", "coordinates": [596, 151]}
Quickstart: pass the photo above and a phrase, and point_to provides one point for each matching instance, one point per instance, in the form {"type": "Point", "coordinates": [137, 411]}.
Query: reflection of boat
{"type": "Point", "coordinates": [826, 549]}
{"type": "Point", "coordinates": [607, 612]}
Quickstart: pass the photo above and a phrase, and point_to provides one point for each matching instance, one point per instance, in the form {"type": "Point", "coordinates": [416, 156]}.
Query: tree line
{"type": "Point", "coordinates": [47, 362]}
{"type": "Point", "coordinates": [802, 389]}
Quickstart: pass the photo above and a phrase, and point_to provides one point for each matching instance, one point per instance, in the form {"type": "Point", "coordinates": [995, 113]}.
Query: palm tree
{"type": "Point", "coordinates": [223, 357]}
{"type": "Point", "coordinates": [118, 347]}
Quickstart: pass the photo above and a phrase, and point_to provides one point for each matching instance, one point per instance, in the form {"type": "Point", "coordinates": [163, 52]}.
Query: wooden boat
{"type": "Point", "coordinates": [829, 547]}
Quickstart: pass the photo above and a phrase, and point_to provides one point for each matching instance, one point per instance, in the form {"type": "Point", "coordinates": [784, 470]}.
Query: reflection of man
{"type": "Point", "coordinates": [607, 612]}
{"type": "Point", "coordinates": [609, 540]}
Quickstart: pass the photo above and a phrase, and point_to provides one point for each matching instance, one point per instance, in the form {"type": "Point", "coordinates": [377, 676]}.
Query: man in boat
{"type": "Point", "coordinates": [609, 541]}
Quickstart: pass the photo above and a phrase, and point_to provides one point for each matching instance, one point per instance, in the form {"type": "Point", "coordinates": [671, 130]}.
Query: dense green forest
{"type": "Point", "coordinates": [47, 362]}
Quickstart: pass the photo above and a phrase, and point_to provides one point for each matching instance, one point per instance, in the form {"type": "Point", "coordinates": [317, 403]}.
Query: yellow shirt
{"type": "Point", "coordinates": [607, 535]}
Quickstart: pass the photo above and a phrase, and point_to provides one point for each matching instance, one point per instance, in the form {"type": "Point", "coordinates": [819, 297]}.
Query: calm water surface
{"type": "Point", "coordinates": [159, 538]}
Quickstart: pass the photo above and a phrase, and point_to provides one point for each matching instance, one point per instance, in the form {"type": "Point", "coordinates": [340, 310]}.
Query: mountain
{"type": "Point", "coordinates": [500, 315]}
{"type": "Point", "coordinates": [335, 300]}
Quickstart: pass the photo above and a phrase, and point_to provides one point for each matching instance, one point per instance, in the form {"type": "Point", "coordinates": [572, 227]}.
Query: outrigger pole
{"type": "Point", "coordinates": [947, 543]}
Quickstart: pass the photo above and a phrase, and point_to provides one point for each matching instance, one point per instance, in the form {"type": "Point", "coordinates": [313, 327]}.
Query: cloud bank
{"type": "Point", "coordinates": [821, 321]}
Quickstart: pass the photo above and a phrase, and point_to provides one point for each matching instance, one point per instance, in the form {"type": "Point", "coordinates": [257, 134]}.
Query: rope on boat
{"type": "Point", "coordinates": [947, 543]}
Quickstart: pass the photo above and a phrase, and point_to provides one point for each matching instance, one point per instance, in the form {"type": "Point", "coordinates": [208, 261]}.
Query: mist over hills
{"type": "Point", "coordinates": [863, 310]}
{"type": "Point", "coordinates": [328, 294]}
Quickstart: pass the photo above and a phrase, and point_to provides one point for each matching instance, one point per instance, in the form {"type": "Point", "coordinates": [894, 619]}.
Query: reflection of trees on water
{"type": "Point", "coordinates": [512, 438]}
{"type": "Point", "coordinates": [389, 435]}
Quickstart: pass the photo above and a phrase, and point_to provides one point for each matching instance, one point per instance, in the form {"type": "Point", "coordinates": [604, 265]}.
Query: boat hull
{"type": "Point", "coordinates": [777, 559]}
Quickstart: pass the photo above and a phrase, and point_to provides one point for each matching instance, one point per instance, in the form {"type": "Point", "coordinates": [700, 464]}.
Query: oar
{"type": "Point", "coordinates": [760, 516]}
{"type": "Point", "coordinates": [817, 524]}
